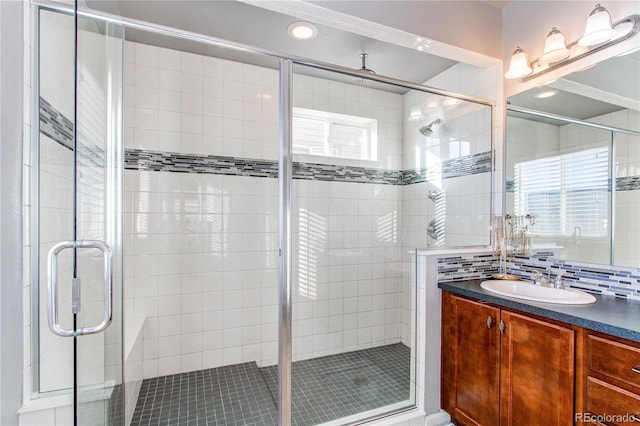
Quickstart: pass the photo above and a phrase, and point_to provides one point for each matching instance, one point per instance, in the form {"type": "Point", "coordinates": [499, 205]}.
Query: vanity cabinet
{"type": "Point", "coordinates": [501, 367]}
{"type": "Point", "coordinates": [610, 381]}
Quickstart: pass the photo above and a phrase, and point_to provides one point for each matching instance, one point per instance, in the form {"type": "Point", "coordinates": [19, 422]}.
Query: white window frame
{"type": "Point", "coordinates": [330, 119]}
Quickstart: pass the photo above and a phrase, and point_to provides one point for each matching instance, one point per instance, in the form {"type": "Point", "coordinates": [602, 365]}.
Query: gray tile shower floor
{"type": "Point", "coordinates": [323, 389]}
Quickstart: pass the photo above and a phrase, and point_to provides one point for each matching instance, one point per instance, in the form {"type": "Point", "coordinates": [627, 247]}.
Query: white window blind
{"type": "Point", "coordinates": [565, 193]}
{"type": "Point", "coordinates": [334, 135]}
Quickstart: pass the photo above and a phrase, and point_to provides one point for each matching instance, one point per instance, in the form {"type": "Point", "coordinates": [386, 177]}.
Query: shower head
{"type": "Point", "coordinates": [429, 128]}
{"type": "Point", "coordinates": [364, 70]}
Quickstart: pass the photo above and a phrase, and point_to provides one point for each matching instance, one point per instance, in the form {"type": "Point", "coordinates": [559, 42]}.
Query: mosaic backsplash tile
{"type": "Point", "coordinates": [466, 267]}
{"type": "Point", "coordinates": [615, 281]}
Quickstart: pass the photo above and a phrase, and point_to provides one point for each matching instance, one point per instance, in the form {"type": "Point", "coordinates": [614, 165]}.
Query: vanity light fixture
{"type": "Point", "coordinates": [302, 30]}
{"type": "Point", "coordinates": [599, 34]}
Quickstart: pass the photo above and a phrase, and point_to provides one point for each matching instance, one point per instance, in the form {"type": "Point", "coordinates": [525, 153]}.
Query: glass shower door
{"type": "Point", "coordinates": [79, 179]}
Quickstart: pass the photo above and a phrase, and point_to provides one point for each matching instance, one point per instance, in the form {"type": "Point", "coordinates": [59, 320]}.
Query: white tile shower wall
{"type": "Point", "coordinates": [201, 257]}
{"type": "Point", "coordinates": [465, 205]}
{"type": "Point", "coordinates": [182, 102]}
{"type": "Point", "coordinates": [203, 268]}
{"type": "Point", "coordinates": [347, 267]}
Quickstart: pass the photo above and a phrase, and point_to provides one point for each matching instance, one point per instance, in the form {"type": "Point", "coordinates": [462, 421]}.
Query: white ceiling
{"type": "Point", "coordinates": [265, 29]}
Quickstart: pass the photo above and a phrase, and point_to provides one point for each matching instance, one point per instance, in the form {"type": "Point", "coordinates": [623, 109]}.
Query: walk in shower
{"type": "Point", "coordinates": [268, 211]}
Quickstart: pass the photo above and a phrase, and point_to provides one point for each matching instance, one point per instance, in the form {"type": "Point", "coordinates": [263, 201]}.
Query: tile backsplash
{"type": "Point", "coordinates": [615, 281]}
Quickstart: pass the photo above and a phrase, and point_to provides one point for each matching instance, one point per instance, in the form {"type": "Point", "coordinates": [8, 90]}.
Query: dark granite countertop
{"type": "Point", "coordinates": [611, 315]}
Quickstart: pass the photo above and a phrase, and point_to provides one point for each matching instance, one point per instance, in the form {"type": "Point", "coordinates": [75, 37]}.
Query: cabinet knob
{"type": "Point", "coordinates": [503, 327]}
{"type": "Point", "coordinates": [489, 322]}
{"type": "Point", "coordinates": [636, 369]}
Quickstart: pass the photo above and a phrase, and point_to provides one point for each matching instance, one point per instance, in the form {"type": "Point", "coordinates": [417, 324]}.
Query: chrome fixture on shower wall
{"type": "Point", "coordinates": [435, 196]}
{"type": "Point", "coordinates": [435, 229]}
{"type": "Point", "coordinates": [431, 127]}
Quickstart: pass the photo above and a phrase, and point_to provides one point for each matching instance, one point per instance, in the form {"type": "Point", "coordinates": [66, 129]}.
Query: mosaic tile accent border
{"type": "Point", "coordinates": [329, 172]}
{"type": "Point", "coordinates": [138, 159]}
{"type": "Point", "coordinates": [54, 125]}
{"type": "Point", "coordinates": [60, 129]}
{"type": "Point", "coordinates": [623, 282]}
{"type": "Point", "coordinates": [463, 166]}
{"type": "Point", "coordinates": [627, 183]}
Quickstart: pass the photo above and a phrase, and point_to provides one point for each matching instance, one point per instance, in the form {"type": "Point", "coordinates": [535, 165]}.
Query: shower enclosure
{"type": "Point", "coordinates": [251, 218]}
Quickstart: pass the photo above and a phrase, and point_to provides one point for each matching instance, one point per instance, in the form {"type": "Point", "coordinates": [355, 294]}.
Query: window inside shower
{"type": "Point", "coordinates": [330, 134]}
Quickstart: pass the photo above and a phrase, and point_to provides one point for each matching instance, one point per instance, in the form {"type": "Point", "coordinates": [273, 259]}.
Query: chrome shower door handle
{"type": "Point", "coordinates": [52, 288]}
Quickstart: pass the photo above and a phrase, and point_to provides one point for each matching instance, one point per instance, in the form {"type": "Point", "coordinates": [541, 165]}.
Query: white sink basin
{"type": "Point", "coordinates": [527, 290]}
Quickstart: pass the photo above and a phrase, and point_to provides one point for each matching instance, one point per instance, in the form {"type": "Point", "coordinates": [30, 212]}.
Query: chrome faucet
{"type": "Point", "coordinates": [557, 283]}
{"type": "Point", "coordinates": [540, 279]}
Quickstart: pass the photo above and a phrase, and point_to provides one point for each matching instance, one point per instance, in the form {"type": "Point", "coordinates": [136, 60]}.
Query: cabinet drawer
{"type": "Point", "coordinates": [613, 359]}
{"type": "Point", "coordinates": [610, 405]}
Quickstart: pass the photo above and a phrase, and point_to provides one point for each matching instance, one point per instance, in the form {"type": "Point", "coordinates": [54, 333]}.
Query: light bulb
{"type": "Point", "coordinates": [519, 66]}
{"type": "Point", "coordinates": [598, 29]}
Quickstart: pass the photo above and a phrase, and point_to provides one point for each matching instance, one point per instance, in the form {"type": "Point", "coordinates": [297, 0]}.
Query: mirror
{"type": "Point", "coordinates": [560, 171]}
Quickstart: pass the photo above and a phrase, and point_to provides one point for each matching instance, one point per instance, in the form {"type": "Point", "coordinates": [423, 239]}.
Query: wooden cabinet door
{"type": "Point", "coordinates": [470, 360]}
{"type": "Point", "coordinates": [537, 373]}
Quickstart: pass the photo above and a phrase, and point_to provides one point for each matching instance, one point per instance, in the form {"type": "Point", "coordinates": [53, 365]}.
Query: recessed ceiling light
{"type": "Point", "coordinates": [302, 30]}
{"type": "Point", "coordinates": [546, 94]}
